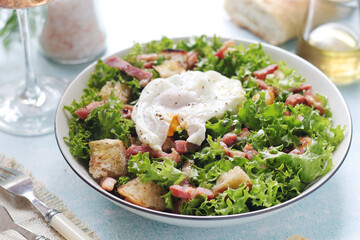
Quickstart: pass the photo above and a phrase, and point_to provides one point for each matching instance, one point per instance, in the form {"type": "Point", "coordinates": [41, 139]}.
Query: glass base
{"type": "Point", "coordinates": [20, 116]}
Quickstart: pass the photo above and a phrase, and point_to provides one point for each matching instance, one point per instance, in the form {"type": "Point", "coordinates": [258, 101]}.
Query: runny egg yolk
{"type": "Point", "coordinates": [174, 126]}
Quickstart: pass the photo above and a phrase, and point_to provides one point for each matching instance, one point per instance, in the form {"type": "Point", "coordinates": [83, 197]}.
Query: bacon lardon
{"type": "Point", "coordinates": [143, 76]}
{"type": "Point", "coordinates": [224, 48]}
{"type": "Point", "coordinates": [85, 111]}
{"type": "Point", "coordinates": [262, 73]}
{"type": "Point", "coordinates": [189, 193]}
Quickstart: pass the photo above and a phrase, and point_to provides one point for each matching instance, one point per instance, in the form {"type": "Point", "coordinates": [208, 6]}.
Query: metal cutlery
{"type": "Point", "coordinates": [20, 184]}
{"type": "Point", "coordinates": [8, 223]}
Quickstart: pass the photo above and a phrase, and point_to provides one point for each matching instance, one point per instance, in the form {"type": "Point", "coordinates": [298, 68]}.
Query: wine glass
{"type": "Point", "coordinates": [28, 107]}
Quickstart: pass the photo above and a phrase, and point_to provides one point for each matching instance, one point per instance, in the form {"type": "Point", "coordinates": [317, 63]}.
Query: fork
{"type": "Point", "coordinates": [8, 223]}
{"type": "Point", "coordinates": [20, 184]}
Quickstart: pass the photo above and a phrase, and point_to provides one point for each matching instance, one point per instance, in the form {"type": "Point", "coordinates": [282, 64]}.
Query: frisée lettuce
{"type": "Point", "coordinates": [281, 137]}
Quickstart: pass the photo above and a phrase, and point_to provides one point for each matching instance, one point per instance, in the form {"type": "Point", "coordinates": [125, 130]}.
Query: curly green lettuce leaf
{"type": "Point", "coordinates": [314, 163]}
{"type": "Point", "coordinates": [237, 63]}
{"type": "Point", "coordinates": [216, 127]}
{"type": "Point", "coordinates": [202, 45]}
{"type": "Point", "coordinates": [291, 78]}
{"type": "Point", "coordinates": [231, 201]}
{"type": "Point", "coordinates": [315, 124]}
{"type": "Point", "coordinates": [163, 172]}
{"type": "Point", "coordinates": [209, 154]}
{"type": "Point", "coordinates": [104, 73]}
{"type": "Point", "coordinates": [105, 121]}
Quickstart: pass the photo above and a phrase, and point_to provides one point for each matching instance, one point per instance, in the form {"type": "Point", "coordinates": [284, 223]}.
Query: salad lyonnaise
{"type": "Point", "coordinates": [264, 133]}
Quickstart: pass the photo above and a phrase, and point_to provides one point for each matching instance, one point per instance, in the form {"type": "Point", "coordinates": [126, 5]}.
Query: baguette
{"type": "Point", "coordinates": [276, 21]}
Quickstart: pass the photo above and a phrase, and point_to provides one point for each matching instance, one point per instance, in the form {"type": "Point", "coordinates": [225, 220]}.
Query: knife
{"type": "Point", "coordinates": [6, 223]}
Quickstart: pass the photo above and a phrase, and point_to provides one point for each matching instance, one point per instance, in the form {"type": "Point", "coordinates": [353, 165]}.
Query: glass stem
{"type": "Point", "coordinates": [32, 92]}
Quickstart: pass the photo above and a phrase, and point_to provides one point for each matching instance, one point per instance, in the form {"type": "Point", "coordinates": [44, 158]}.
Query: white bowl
{"type": "Point", "coordinates": [321, 84]}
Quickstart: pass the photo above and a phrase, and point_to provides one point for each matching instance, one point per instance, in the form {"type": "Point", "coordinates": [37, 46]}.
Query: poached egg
{"type": "Point", "coordinates": [184, 101]}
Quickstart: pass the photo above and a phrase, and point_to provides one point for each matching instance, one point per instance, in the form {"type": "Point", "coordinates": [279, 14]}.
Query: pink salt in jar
{"type": "Point", "coordinates": [73, 32]}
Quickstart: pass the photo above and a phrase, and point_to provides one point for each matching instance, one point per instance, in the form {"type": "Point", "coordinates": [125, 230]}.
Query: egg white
{"type": "Point", "coordinates": [193, 96]}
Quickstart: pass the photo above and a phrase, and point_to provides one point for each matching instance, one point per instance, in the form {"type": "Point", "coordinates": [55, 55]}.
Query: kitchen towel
{"type": "Point", "coordinates": [24, 214]}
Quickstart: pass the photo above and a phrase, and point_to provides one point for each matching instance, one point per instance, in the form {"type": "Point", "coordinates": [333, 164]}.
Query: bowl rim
{"type": "Point", "coordinates": [157, 213]}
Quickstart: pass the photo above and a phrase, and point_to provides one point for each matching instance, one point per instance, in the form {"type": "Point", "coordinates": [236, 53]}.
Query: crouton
{"type": "Point", "coordinates": [107, 158]}
{"type": "Point", "coordinates": [145, 195]}
{"type": "Point", "coordinates": [169, 68]}
{"type": "Point", "coordinates": [233, 178]}
{"type": "Point", "coordinates": [120, 90]}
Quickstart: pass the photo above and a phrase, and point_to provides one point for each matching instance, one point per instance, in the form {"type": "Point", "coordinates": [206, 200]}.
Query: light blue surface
{"type": "Point", "coordinates": [332, 212]}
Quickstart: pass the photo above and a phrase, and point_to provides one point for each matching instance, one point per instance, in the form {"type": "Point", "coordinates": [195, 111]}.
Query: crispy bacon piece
{"type": "Point", "coordinates": [313, 100]}
{"type": "Point", "coordinates": [174, 155]}
{"type": "Point", "coordinates": [262, 84]}
{"type": "Point", "coordinates": [287, 113]}
{"type": "Point", "coordinates": [108, 183]}
{"type": "Point", "coordinates": [85, 111]}
{"type": "Point", "coordinates": [188, 193]}
{"type": "Point", "coordinates": [134, 149]}
{"type": "Point", "coordinates": [229, 139]}
{"type": "Point", "coordinates": [143, 76]}
{"type": "Point", "coordinates": [231, 153]}
{"type": "Point", "coordinates": [126, 111]}
{"type": "Point", "coordinates": [148, 64]}
{"type": "Point", "coordinates": [261, 74]}
{"type": "Point", "coordinates": [309, 98]}
{"type": "Point", "coordinates": [249, 151]}
{"type": "Point", "coordinates": [192, 59]}
{"type": "Point", "coordinates": [305, 141]}
{"type": "Point", "coordinates": [181, 146]}
{"type": "Point", "coordinates": [295, 99]}
{"type": "Point", "coordinates": [221, 52]}
{"type": "Point", "coordinates": [303, 87]}
{"type": "Point", "coordinates": [266, 87]}
{"type": "Point", "coordinates": [168, 144]}
{"type": "Point", "coordinates": [244, 133]}
{"type": "Point", "coordinates": [270, 94]}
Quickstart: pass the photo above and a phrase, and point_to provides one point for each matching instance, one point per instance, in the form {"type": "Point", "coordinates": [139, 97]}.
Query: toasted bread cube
{"type": "Point", "coordinates": [145, 195]}
{"type": "Point", "coordinates": [120, 90]}
{"type": "Point", "coordinates": [233, 178]}
{"type": "Point", "coordinates": [169, 68]}
{"type": "Point", "coordinates": [107, 158]}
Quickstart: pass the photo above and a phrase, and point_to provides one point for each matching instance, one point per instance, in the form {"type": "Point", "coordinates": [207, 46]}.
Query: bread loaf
{"type": "Point", "coordinates": [276, 21]}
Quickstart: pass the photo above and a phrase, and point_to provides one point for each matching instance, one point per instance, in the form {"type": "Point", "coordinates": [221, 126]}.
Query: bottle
{"type": "Point", "coordinates": [334, 45]}
{"type": "Point", "coordinates": [73, 32]}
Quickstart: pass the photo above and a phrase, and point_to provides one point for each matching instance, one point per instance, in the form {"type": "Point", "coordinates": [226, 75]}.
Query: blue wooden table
{"type": "Point", "coordinates": [332, 212]}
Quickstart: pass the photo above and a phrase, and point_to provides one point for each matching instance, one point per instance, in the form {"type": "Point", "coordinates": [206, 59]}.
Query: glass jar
{"type": "Point", "coordinates": [334, 45]}
{"type": "Point", "coordinates": [73, 32]}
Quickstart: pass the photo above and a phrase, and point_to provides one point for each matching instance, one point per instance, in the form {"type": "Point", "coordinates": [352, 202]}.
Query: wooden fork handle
{"type": "Point", "coordinates": [67, 228]}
